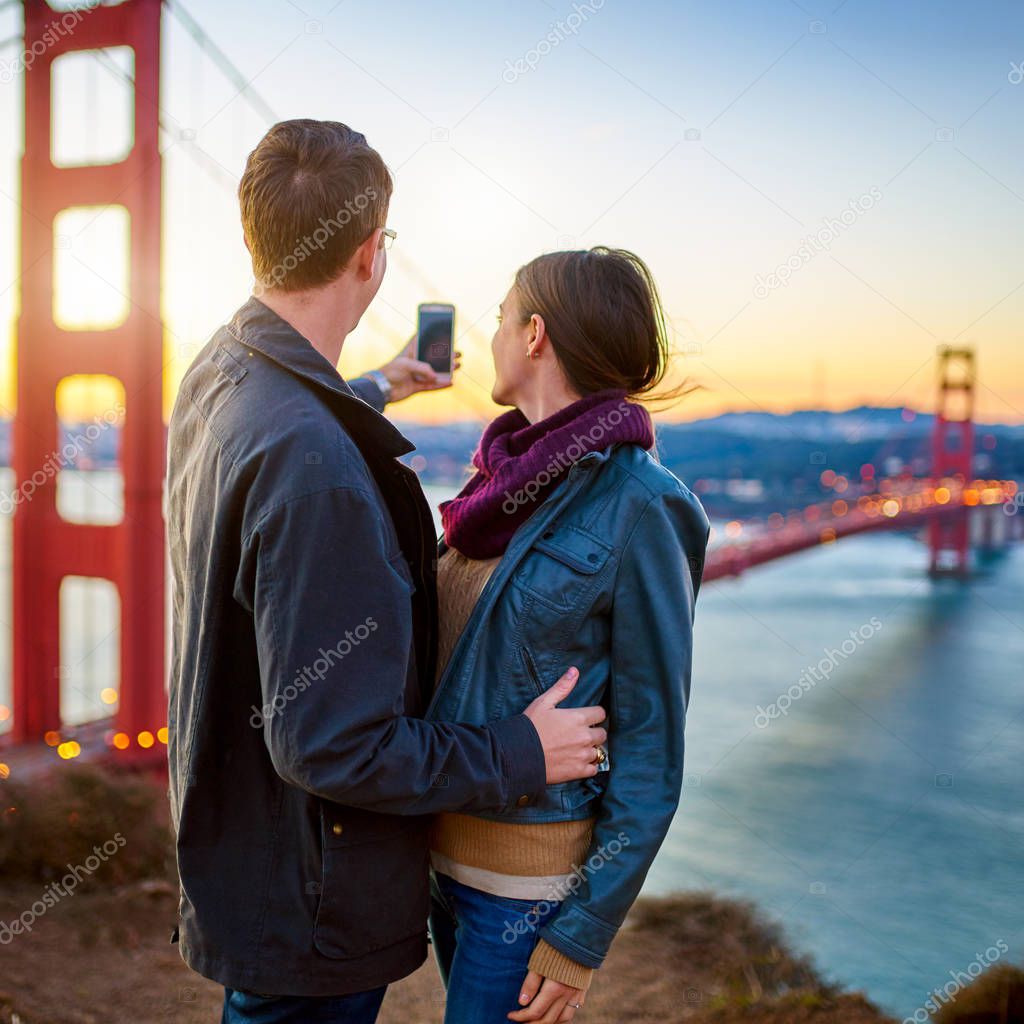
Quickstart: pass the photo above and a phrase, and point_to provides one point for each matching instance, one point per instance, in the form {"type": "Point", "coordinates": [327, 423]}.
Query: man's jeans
{"type": "Point", "coordinates": [483, 944]}
{"type": "Point", "coordinates": [249, 1008]}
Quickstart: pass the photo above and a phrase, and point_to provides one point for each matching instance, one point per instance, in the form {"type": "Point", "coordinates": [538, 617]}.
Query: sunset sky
{"type": "Point", "coordinates": [714, 139]}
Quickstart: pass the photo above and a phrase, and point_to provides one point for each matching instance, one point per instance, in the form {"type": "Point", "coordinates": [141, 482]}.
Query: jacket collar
{"type": "Point", "coordinates": [259, 327]}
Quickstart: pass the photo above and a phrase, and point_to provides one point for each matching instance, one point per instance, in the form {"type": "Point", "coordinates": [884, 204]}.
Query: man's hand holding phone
{"type": "Point", "coordinates": [408, 375]}
{"type": "Point", "coordinates": [435, 337]}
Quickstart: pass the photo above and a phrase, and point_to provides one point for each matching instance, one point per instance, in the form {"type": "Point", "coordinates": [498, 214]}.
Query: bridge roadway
{"type": "Point", "coordinates": [900, 507]}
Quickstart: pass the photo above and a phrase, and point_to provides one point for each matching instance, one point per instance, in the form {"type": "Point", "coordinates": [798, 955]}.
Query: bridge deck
{"type": "Point", "coordinates": [901, 509]}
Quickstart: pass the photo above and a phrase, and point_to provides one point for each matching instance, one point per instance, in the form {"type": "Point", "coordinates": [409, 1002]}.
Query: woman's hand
{"type": "Point", "coordinates": [547, 1001]}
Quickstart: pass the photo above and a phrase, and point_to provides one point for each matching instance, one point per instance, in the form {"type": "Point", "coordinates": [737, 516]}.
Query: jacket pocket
{"type": "Point", "coordinates": [575, 548]}
{"type": "Point", "coordinates": [375, 888]}
{"type": "Point", "coordinates": [532, 672]}
{"type": "Point", "coordinates": [582, 792]}
{"type": "Point", "coordinates": [562, 567]}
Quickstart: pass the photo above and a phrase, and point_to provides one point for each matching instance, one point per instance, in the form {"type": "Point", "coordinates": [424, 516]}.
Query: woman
{"type": "Point", "coordinates": [571, 546]}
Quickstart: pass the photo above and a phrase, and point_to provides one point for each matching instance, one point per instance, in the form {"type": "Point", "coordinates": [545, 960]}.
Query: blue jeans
{"type": "Point", "coordinates": [249, 1008]}
{"type": "Point", "coordinates": [482, 944]}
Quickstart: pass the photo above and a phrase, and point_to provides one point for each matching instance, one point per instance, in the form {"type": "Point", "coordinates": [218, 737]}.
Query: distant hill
{"type": "Point", "coordinates": [858, 424]}
{"type": "Point", "coordinates": [754, 462]}
{"type": "Point", "coordinates": [739, 462]}
{"type": "Point", "coordinates": [861, 423]}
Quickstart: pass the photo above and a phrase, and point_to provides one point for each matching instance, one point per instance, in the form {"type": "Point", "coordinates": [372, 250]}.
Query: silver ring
{"type": "Point", "coordinates": [576, 1006]}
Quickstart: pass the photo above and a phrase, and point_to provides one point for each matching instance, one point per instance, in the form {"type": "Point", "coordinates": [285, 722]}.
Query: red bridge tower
{"type": "Point", "coordinates": [48, 548]}
{"type": "Point", "coordinates": [953, 456]}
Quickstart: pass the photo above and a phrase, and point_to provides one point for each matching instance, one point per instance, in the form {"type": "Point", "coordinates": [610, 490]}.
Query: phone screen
{"type": "Point", "coordinates": [436, 329]}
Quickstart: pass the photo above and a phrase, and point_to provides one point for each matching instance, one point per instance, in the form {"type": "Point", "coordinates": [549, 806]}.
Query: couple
{"type": "Point", "coordinates": [368, 730]}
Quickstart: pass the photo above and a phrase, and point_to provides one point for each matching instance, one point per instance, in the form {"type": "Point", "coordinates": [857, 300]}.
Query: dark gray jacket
{"type": "Point", "coordinates": [302, 774]}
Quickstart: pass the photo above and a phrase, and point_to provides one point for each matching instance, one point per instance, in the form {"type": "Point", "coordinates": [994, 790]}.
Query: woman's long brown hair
{"type": "Point", "coordinates": [604, 316]}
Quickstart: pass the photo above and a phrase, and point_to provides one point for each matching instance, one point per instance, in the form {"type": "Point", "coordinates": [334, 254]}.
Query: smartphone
{"type": "Point", "coordinates": [435, 336]}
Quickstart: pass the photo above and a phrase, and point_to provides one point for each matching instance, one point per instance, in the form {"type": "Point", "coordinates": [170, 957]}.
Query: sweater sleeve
{"type": "Point", "coordinates": [551, 963]}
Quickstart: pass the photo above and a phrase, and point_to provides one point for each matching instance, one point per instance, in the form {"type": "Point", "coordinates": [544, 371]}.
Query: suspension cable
{"type": "Point", "coordinates": [209, 164]}
{"type": "Point", "coordinates": [220, 58]}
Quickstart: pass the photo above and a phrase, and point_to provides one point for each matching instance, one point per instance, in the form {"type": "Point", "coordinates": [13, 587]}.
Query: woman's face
{"type": "Point", "coordinates": [509, 346]}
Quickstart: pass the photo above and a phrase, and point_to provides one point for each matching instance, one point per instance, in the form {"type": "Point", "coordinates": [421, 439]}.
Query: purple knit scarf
{"type": "Point", "coordinates": [519, 463]}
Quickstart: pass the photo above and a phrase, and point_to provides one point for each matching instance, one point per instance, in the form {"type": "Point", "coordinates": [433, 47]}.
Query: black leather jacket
{"type": "Point", "coordinates": [604, 576]}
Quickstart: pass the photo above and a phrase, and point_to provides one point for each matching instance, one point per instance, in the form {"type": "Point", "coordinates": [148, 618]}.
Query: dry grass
{"type": "Point", "coordinates": [995, 997]}
{"type": "Point", "coordinates": [103, 955]}
{"type": "Point", "coordinates": [57, 821]}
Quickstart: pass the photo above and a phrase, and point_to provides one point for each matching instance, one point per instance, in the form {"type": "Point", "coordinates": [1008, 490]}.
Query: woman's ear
{"type": "Point", "coordinates": [538, 334]}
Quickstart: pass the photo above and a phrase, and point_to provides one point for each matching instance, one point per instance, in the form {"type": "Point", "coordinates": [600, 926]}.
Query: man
{"type": "Point", "coordinates": [302, 556]}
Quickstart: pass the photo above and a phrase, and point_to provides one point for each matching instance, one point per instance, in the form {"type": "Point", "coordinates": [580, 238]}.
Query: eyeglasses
{"type": "Point", "coordinates": [387, 239]}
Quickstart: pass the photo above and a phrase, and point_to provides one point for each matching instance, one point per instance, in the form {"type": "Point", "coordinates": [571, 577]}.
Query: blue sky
{"type": "Point", "coordinates": [712, 138]}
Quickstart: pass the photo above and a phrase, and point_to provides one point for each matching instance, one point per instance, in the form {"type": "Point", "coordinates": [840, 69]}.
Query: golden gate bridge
{"type": "Point", "coordinates": [953, 508]}
{"type": "Point", "coordinates": [938, 506]}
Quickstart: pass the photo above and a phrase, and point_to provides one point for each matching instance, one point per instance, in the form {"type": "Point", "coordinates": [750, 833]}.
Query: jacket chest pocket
{"type": "Point", "coordinates": [563, 568]}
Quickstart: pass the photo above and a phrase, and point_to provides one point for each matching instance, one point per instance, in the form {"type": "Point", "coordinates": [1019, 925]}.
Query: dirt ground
{"type": "Point", "coordinates": [104, 958]}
